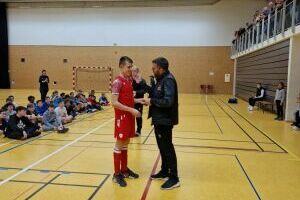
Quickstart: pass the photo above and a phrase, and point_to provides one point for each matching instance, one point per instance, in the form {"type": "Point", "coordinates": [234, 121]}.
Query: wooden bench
{"type": "Point", "coordinates": [264, 105]}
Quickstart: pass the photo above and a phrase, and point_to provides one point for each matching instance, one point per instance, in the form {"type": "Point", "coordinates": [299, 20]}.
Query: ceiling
{"type": "Point", "coordinates": [104, 3]}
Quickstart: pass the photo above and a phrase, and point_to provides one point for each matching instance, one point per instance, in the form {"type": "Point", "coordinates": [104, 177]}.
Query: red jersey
{"type": "Point", "coordinates": [124, 121]}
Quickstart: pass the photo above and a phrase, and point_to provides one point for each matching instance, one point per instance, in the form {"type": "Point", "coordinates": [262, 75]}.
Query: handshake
{"type": "Point", "coordinates": [143, 101]}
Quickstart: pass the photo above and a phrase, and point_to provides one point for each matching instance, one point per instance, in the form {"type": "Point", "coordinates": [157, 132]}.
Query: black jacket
{"type": "Point", "coordinates": [17, 125]}
{"type": "Point", "coordinates": [164, 101]}
{"type": "Point", "coordinates": [44, 81]}
{"type": "Point", "coordinates": [140, 88]}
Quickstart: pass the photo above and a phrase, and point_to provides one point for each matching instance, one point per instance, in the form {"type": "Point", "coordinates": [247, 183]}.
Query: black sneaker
{"type": "Point", "coordinates": [130, 174]}
{"type": "Point", "coordinates": [159, 176]}
{"type": "Point", "coordinates": [119, 179]}
{"type": "Point", "coordinates": [64, 130]}
{"type": "Point", "coordinates": [170, 184]}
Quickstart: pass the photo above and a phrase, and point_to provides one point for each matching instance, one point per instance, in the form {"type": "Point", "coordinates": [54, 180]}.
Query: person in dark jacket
{"type": "Point", "coordinates": [259, 96]}
{"type": "Point", "coordinates": [19, 127]}
{"type": "Point", "coordinates": [140, 87]}
{"type": "Point", "coordinates": [44, 88]}
{"type": "Point", "coordinates": [164, 113]}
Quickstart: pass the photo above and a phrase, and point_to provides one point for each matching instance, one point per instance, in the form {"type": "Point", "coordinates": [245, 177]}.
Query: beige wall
{"type": "Point", "coordinates": [190, 65]}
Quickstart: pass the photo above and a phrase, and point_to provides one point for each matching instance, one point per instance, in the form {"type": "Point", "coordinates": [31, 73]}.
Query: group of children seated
{"type": "Point", "coordinates": [18, 122]}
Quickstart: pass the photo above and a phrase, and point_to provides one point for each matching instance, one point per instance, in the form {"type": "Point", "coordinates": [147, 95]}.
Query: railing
{"type": "Point", "coordinates": [276, 23]}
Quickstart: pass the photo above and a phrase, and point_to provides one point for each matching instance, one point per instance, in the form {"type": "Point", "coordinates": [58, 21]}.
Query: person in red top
{"type": "Point", "coordinates": [125, 114]}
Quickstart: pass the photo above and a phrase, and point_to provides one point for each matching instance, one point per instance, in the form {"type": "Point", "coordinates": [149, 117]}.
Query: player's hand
{"type": "Point", "coordinates": [136, 113]}
{"type": "Point", "coordinates": [24, 135]}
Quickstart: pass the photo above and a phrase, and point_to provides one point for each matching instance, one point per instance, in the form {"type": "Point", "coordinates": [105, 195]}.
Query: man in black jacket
{"type": "Point", "coordinates": [19, 127]}
{"type": "Point", "coordinates": [44, 88]}
{"type": "Point", "coordinates": [164, 113]}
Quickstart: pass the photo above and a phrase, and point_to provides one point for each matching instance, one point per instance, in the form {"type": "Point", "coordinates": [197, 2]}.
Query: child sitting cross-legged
{"type": "Point", "coordinates": [61, 112]}
{"type": "Point", "coordinates": [103, 100]}
{"type": "Point", "coordinates": [93, 103]}
{"type": "Point", "coordinates": [32, 115]}
{"type": "Point", "coordinates": [40, 107]}
{"type": "Point", "coordinates": [52, 121]}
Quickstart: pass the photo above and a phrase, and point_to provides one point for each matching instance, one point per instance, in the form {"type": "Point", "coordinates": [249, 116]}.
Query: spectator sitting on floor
{"type": "Point", "coordinates": [52, 121]}
{"type": "Point", "coordinates": [103, 100]}
{"type": "Point", "coordinates": [71, 108]}
{"type": "Point", "coordinates": [92, 92]}
{"type": "Point", "coordinates": [62, 113]}
{"type": "Point", "coordinates": [32, 115]}
{"type": "Point", "coordinates": [3, 122]}
{"type": "Point", "coordinates": [259, 96]}
{"type": "Point", "coordinates": [55, 98]}
{"type": "Point", "coordinates": [72, 97]}
{"type": "Point", "coordinates": [12, 100]}
{"type": "Point", "coordinates": [19, 127]}
{"type": "Point", "coordinates": [40, 107]}
{"type": "Point", "coordinates": [296, 123]}
{"type": "Point", "coordinates": [63, 95]}
{"type": "Point", "coordinates": [10, 110]}
{"type": "Point", "coordinates": [31, 99]}
{"type": "Point", "coordinates": [93, 103]}
{"type": "Point", "coordinates": [47, 101]}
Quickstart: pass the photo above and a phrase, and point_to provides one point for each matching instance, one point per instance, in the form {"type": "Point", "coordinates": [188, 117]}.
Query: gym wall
{"type": "Point", "coordinates": [267, 66]}
{"type": "Point", "coordinates": [196, 40]}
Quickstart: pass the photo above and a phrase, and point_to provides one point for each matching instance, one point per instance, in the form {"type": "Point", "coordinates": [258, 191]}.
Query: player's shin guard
{"type": "Point", "coordinates": [124, 158]}
{"type": "Point", "coordinates": [117, 160]}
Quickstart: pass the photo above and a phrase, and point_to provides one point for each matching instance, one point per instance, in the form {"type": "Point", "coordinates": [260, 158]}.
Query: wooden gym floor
{"type": "Point", "coordinates": [223, 152]}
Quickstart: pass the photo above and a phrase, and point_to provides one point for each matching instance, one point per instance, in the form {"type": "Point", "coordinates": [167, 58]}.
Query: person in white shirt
{"type": "Point", "coordinates": [62, 113]}
{"type": "Point", "coordinates": [259, 96]}
{"type": "Point", "coordinates": [279, 100]}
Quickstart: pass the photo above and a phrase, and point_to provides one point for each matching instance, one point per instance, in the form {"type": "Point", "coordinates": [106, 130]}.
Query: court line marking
{"type": "Point", "coordinates": [55, 152]}
{"type": "Point", "coordinates": [213, 116]}
{"type": "Point", "coordinates": [3, 144]}
{"type": "Point", "coordinates": [99, 187]}
{"type": "Point", "coordinates": [146, 190]}
{"type": "Point", "coordinates": [247, 176]}
{"type": "Point", "coordinates": [42, 187]}
{"type": "Point", "coordinates": [262, 132]}
{"type": "Point", "coordinates": [148, 136]}
{"type": "Point", "coordinates": [243, 130]}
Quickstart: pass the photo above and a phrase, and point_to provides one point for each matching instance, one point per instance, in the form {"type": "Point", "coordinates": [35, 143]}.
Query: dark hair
{"type": "Point", "coordinates": [161, 62]}
{"type": "Point", "coordinates": [47, 97]}
{"type": "Point", "coordinates": [30, 98]}
{"type": "Point", "coordinates": [124, 59]}
{"type": "Point", "coordinates": [51, 105]}
{"type": "Point", "coordinates": [62, 94]}
{"type": "Point", "coordinates": [282, 84]}
{"type": "Point", "coordinates": [38, 101]}
{"type": "Point", "coordinates": [43, 70]}
{"type": "Point", "coordinates": [20, 108]}
{"type": "Point", "coordinates": [30, 105]}
{"type": "Point", "coordinates": [8, 104]}
{"type": "Point", "coordinates": [11, 96]}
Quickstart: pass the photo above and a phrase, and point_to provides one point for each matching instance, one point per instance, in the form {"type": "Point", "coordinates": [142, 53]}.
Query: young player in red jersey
{"type": "Point", "coordinates": [125, 114]}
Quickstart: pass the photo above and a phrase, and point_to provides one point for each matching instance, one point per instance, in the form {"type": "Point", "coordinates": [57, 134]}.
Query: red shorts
{"type": "Point", "coordinates": [124, 126]}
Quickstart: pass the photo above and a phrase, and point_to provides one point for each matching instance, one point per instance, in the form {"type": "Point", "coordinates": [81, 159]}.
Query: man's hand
{"type": "Point", "coordinates": [147, 101]}
{"type": "Point", "coordinates": [24, 135]}
{"type": "Point", "coordinates": [135, 113]}
{"type": "Point", "coordinates": [141, 101]}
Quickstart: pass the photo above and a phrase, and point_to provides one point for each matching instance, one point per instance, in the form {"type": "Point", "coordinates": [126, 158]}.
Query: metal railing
{"type": "Point", "coordinates": [276, 23]}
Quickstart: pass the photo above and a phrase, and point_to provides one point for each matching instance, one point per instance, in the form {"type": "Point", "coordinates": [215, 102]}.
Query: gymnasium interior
{"type": "Point", "coordinates": [218, 50]}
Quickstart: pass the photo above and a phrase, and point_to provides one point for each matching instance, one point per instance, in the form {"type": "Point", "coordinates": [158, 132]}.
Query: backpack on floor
{"type": "Point", "coordinates": [233, 100]}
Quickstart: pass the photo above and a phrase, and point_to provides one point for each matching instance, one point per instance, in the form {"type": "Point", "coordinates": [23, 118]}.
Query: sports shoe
{"type": "Point", "coordinates": [159, 176]}
{"type": "Point", "coordinates": [119, 179]}
{"type": "Point", "coordinates": [170, 184]}
{"type": "Point", "coordinates": [130, 174]}
{"type": "Point", "coordinates": [63, 130]}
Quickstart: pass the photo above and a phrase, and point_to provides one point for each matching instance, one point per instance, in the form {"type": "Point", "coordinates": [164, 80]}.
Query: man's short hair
{"type": "Point", "coordinates": [51, 105]}
{"type": "Point", "coordinates": [125, 59]}
{"type": "Point", "coordinates": [30, 105]}
{"type": "Point", "coordinates": [30, 97]}
{"type": "Point", "coordinates": [161, 62]}
{"type": "Point", "coordinates": [20, 108]}
{"type": "Point", "coordinates": [39, 101]}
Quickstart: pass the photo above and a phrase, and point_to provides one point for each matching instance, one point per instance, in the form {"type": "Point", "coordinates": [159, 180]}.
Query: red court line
{"type": "Point", "coordinates": [146, 190]}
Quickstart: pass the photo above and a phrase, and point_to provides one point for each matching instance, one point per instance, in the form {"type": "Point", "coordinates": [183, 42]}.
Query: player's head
{"type": "Point", "coordinates": [44, 72]}
{"type": "Point", "coordinates": [160, 65]}
{"type": "Point", "coordinates": [125, 65]}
